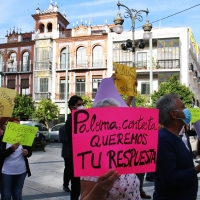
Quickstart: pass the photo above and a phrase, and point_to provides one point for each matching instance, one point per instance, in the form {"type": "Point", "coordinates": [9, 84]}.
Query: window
{"type": "Point", "coordinates": [97, 57]}
{"type": "Point", "coordinates": [43, 58]}
{"type": "Point", "coordinates": [25, 87]}
{"type": "Point", "coordinates": [95, 85]}
{"type": "Point", "coordinates": [49, 27]}
{"type": "Point", "coordinates": [81, 57]}
{"type": "Point", "coordinates": [43, 84]}
{"type": "Point", "coordinates": [63, 89]}
{"type": "Point", "coordinates": [142, 60]}
{"type": "Point", "coordinates": [13, 67]}
{"type": "Point", "coordinates": [145, 88]}
{"type": "Point", "coordinates": [63, 59]}
{"type": "Point", "coordinates": [41, 27]}
{"type": "Point", "coordinates": [80, 86]}
{"type": "Point", "coordinates": [123, 57]}
{"type": "Point", "coordinates": [168, 53]}
{"type": "Point", "coordinates": [11, 84]}
{"type": "Point", "coordinates": [25, 62]}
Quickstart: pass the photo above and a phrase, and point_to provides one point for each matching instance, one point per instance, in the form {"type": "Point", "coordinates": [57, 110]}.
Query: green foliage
{"type": "Point", "coordinates": [46, 111]}
{"type": "Point", "coordinates": [174, 86]}
{"type": "Point", "coordinates": [142, 100]}
{"type": "Point", "coordinates": [24, 107]}
{"type": "Point", "coordinates": [87, 101]}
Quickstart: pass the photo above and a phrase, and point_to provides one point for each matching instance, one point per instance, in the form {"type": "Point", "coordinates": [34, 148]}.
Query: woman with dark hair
{"type": "Point", "coordinates": [14, 167]}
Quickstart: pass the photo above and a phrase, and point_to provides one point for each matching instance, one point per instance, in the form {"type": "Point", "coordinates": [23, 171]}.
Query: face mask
{"type": "Point", "coordinates": [187, 115]}
{"type": "Point", "coordinates": [80, 107]}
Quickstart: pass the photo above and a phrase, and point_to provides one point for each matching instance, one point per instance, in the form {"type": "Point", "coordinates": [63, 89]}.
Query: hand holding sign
{"type": "Point", "coordinates": [107, 181]}
{"type": "Point", "coordinates": [15, 146]}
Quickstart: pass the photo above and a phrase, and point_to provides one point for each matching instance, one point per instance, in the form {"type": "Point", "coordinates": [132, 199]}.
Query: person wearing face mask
{"type": "Point", "coordinates": [176, 176]}
{"type": "Point", "coordinates": [75, 102]}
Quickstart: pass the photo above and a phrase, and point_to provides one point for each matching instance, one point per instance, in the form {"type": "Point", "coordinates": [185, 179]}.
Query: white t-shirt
{"type": "Point", "coordinates": [15, 163]}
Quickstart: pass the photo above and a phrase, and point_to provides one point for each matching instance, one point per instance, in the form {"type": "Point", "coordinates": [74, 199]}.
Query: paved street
{"type": "Point", "coordinates": [46, 180]}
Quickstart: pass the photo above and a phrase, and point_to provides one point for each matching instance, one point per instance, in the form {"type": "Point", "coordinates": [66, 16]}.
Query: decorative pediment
{"type": "Point", "coordinates": [13, 38]}
{"type": "Point", "coordinates": [81, 30]}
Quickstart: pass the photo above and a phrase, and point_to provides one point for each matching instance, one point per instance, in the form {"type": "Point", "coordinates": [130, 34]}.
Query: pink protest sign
{"type": "Point", "coordinates": [114, 138]}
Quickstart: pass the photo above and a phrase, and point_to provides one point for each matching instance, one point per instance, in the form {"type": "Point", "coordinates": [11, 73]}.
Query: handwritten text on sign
{"type": "Point", "coordinates": [19, 133]}
{"type": "Point", "coordinates": [114, 138]}
{"type": "Point", "coordinates": [7, 97]}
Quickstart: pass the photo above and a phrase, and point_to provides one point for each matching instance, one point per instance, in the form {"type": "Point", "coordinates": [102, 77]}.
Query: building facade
{"type": "Point", "coordinates": [174, 52]}
{"type": "Point", "coordinates": [37, 63]}
{"type": "Point", "coordinates": [57, 51]}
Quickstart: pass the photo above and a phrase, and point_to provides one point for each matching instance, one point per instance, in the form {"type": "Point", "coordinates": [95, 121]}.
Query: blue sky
{"type": "Point", "coordinates": [18, 13]}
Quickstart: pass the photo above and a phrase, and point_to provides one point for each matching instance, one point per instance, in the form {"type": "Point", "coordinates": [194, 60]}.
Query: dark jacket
{"type": "Point", "coordinates": [65, 142]}
{"type": "Point", "coordinates": [4, 153]}
{"type": "Point", "coordinates": [68, 130]}
{"type": "Point", "coordinates": [40, 137]}
{"type": "Point", "coordinates": [175, 176]}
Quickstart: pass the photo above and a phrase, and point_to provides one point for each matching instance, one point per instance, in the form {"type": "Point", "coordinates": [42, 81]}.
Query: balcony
{"type": "Point", "coordinates": [65, 34]}
{"type": "Point", "coordinates": [195, 74]}
{"type": "Point", "coordinates": [41, 95]}
{"type": "Point", "coordinates": [61, 96]}
{"type": "Point", "coordinates": [191, 68]}
{"type": "Point", "coordinates": [24, 68]}
{"type": "Point", "coordinates": [40, 66]}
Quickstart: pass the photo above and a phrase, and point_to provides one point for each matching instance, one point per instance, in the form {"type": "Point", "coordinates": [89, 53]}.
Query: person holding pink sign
{"type": "Point", "coordinates": [110, 185]}
{"type": "Point", "coordinates": [176, 176]}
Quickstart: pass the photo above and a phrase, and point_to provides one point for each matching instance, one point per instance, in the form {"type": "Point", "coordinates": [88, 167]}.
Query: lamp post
{"type": "Point", "coordinates": [148, 36]}
{"type": "Point", "coordinates": [133, 14]}
{"type": "Point", "coordinates": [66, 80]}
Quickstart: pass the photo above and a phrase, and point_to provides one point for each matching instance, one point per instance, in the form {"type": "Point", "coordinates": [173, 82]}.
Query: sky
{"type": "Point", "coordinates": [17, 13]}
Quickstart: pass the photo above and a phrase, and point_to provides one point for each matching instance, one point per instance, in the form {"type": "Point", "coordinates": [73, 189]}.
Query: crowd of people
{"type": "Point", "coordinates": [175, 177]}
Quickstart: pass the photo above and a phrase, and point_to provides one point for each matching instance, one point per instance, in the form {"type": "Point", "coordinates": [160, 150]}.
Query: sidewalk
{"type": "Point", "coordinates": [47, 172]}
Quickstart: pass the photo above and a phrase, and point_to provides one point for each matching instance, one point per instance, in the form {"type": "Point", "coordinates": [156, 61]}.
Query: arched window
{"type": "Point", "coordinates": [41, 28]}
{"type": "Point", "coordinates": [63, 58]}
{"type": "Point", "coordinates": [81, 57]}
{"type": "Point", "coordinates": [49, 27]}
{"type": "Point", "coordinates": [97, 57]}
{"type": "Point", "coordinates": [12, 63]}
{"type": "Point", "coordinates": [25, 62]}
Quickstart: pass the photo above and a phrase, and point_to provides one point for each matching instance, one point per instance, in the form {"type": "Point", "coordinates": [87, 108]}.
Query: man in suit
{"type": "Point", "coordinates": [64, 152]}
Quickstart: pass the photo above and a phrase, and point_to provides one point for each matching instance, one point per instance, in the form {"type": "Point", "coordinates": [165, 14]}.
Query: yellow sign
{"type": "Point", "coordinates": [196, 46]}
{"type": "Point", "coordinates": [195, 114]}
{"type": "Point", "coordinates": [7, 103]}
{"type": "Point", "coordinates": [19, 133]}
{"type": "Point", "coordinates": [125, 79]}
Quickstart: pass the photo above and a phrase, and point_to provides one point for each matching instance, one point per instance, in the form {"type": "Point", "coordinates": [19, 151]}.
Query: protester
{"type": "Point", "coordinates": [14, 168]}
{"type": "Point", "coordinates": [175, 176]}
{"type": "Point", "coordinates": [40, 139]}
{"type": "Point", "coordinates": [111, 185]}
{"type": "Point", "coordinates": [75, 102]}
{"type": "Point", "coordinates": [64, 153]}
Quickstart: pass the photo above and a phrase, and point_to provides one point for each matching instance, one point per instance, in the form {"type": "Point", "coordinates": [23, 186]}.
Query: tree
{"type": "Point", "coordinates": [87, 101]}
{"type": "Point", "coordinates": [24, 107]}
{"type": "Point", "coordinates": [174, 86]}
{"type": "Point", "coordinates": [46, 111]}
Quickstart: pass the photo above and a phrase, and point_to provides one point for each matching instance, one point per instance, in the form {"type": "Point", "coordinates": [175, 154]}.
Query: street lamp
{"type": "Point", "coordinates": [133, 15]}
{"type": "Point", "coordinates": [148, 36]}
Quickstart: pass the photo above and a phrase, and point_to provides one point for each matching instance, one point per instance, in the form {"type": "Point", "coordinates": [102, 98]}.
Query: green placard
{"type": "Point", "coordinates": [19, 133]}
{"type": "Point", "coordinates": [195, 114]}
